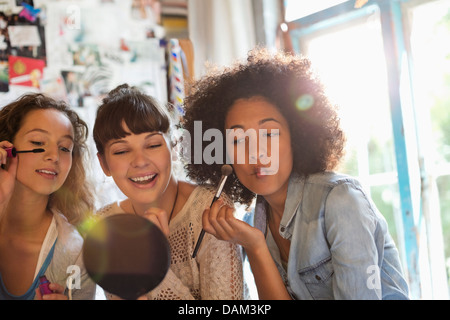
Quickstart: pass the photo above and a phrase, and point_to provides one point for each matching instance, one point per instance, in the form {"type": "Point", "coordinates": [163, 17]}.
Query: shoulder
{"type": "Point", "coordinates": [197, 197]}
{"type": "Point", "coordinates": [330, 179]}
{"type": "Point", "coordinates": [345, 189]}
{"type": "Point", "coordinates": [318, 187]}
{"type": "Point", "coordinates": [67, 232]}
{"type": "Point", "coordinates": [68, 245]}
{"type": "Point", "coordinates": [67, 258]}
{"type": "Point", "coordinates": [185, 189]}
{"type": "Point", "coordinates": [347, 201]}
{"type": "Point", "coordinates": [329, 192]}
{"type": "Point", "coordinates": [109, 209]}
{"type": "Point", "coordinates": [204, 195]}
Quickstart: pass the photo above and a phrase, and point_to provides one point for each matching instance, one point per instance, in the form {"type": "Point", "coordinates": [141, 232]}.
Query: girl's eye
{"type": "Point", "coordinates": [37, 143]}
{"type": "Point", "coordinates": [119, 152]}
{"type": "Point", "coordinates": [272, 134]}
{"type": "Point", "coordinates": [64, 149]}
{"type": "Point", "coordinates": [238, 141]}
{"type": "Point", "coordinates": [154, 146]}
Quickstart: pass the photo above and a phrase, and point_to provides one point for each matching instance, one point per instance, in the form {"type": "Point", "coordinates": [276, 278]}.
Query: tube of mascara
{"type": "Point", "coordinates": [44, 285]}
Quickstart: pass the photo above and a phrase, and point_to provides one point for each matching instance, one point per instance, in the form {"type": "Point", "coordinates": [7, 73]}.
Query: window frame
{"type": "Point", "coordinates": [411, 174]}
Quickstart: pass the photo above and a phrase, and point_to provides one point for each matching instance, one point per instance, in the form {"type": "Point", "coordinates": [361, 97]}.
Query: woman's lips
{"type": "Point", "coordinates": [145, 179]}
{"type": "Point", "coordinates": [47, 173]}
{"type": "Point", "coordinates": [261, 172]}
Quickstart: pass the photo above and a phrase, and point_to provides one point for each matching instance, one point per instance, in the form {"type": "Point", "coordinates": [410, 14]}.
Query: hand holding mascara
{"type": "Point", "coordinates": [12, 152]}
{"type": "Point", "coordinates": [226, 171]}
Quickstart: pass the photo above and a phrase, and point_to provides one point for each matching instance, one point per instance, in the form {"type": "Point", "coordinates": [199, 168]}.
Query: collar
{"type": "Point", "coordinates": [49, 240]}
{"type": "Point", "coordinates": [292, 203]}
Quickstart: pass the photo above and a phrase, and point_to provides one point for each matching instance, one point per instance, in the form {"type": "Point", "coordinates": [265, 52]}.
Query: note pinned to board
{"type": "Point", "coordinates": [25, 71]}
{"type": "Point", "coordinates": [22, 36]}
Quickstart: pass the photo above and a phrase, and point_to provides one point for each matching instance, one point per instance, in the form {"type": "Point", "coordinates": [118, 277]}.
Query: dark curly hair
{"type": "Point", "coordinates": [288, 82]}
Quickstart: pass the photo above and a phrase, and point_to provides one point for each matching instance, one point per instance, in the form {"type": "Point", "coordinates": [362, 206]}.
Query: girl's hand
{"type": "Point", "coordinates": [7, 175]}
{"type": "Point", "coordinates": [159, 218]}
{"type": "Point", "coordinates": [58, 293]}
{"type": "Point", "coordinates": [219, 221]}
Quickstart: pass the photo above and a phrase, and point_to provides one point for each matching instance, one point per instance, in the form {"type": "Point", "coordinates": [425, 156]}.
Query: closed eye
{"type": "Point", "coordinates": [64, 149]}
{"type": "Point", "coordinates": [37, 143]}
{"type": "Point", "coordinates": [272, 134]}
{"type": "Point", "coordinates": [120, 152]}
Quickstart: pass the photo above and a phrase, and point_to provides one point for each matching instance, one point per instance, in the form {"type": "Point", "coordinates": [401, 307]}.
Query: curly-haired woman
{"type": "Point", "coordinates": [317, 234]}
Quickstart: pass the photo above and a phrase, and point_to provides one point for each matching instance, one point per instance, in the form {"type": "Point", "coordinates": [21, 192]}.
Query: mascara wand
{"type": "Point", "coordinates": [12, 152]}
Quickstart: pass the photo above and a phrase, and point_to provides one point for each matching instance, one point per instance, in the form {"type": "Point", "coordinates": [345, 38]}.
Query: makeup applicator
{"type": "Point", "coordinates": [12, 152]}
{"type": "Point", "coordinates": [226, 171]}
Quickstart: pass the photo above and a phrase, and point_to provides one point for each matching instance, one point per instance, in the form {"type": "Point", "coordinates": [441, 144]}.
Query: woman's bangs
{"type": "Point", "coordinates": [145, 120]}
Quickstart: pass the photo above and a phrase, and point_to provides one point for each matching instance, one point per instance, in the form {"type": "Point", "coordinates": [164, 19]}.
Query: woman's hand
{"type": "Point", "coordinates": [7, 176]}
{"type": "Point", "coordinates": [219, 221]}
{"type": "Point", "coordinates": [58, 293]}
{"type": "Point", "coordinates": [159, 218]}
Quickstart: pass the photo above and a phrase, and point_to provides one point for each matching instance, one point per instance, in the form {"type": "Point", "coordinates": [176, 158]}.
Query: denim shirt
{"type": "Point", "coordinates": [340, 244]}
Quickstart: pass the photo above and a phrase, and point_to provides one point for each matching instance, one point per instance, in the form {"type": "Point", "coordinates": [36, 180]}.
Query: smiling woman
{"type": "Point", "coordinates": [43, 197]}
{"type": "Point", "coordinates": [76, 204]}
{"type": "Point", "coordinates": [140, 164]}
{"type": "Point", "coordinates": [132, 134]}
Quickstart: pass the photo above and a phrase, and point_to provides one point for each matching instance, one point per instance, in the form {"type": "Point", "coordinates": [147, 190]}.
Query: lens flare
{"type": "Point", "coordinates": [304, 102]}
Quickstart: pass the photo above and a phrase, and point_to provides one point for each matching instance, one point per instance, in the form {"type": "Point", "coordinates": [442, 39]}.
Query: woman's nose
{"type": "Point", "coordinates": [258, 154]}
{"type": "Point", "coordinates": [52, 153]}
{"type": "Point", "coordinates": [139, 159]}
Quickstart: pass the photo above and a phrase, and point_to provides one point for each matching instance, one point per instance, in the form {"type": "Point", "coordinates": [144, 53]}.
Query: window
{"type": "Point", "coordinates": [430, 31]}
{"type": "Point", "coordinates": [387, 65]}
{"type": "Point", "coordinates": [356, 80]}
{"type": "Point", "coordinates": [298, 9]}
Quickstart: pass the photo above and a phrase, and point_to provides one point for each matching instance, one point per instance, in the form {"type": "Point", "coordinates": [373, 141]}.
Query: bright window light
{"type": "Point", "coordinates": [296, 9]}
{"type": "Point", "coordinates": [352, 66]}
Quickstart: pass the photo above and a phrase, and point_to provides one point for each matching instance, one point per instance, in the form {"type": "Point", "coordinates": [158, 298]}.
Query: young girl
{"type": "Point", "coordinates": [317, 233]}
{"type": "Point", "coordinates": [133, 138]}
{"type": "Point", "coordinates": [43, 197]}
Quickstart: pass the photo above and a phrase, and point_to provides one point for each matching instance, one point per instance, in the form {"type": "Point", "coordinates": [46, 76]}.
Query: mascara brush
{"type": "Point", "coordinates": [12, 152]}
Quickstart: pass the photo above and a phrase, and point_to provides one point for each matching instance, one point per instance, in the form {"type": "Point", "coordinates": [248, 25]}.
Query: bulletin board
{"type": "Point", "coordinates": [22, 47]}
{"type": "Point", "coordinates": [77, 50]}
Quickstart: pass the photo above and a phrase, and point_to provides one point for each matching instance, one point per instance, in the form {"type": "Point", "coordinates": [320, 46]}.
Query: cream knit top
{"type": "Point", "coordinates": [216, 273]}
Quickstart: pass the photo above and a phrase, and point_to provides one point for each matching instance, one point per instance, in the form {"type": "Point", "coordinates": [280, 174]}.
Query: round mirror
{"type": "Point", "coordinates": [126, 255]}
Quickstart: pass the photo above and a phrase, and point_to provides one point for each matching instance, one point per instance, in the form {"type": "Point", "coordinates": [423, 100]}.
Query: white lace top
{"type": "Point", "coordinates": [216, 273]}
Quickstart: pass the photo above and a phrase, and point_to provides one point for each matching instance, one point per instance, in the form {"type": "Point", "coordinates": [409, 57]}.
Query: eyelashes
{"type": "Point", "coordinates": [152, 146]}
{"type": "Point", "coordinates": [237, 141]}
{"type": "Point", "coordinates": [41, 144]}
